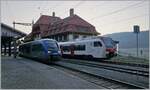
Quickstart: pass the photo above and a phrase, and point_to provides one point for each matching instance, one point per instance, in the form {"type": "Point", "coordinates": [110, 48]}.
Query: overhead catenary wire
{"type": "Point", "coordinates": [75, 6]}
{"type": "Point", "coordinates": [126, 19]}
{"type": "Point", "coordinates": [78, 4]}
{"type": "Point", "coordinates": [117, 11]}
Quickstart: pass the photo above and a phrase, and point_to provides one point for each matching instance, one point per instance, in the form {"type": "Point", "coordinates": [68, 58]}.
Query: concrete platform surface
{"type": "Point", "coordinates": [23, 73]}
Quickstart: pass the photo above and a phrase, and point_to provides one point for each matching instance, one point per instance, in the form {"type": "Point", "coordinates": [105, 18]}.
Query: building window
{"type": "Point", "coordinates": [60, 38]}
{"type": "Point", "coordinates": [65, 37]}
{"type": "Point", "coordinates": [75, 36]}
{"type": "Point", "coordinates": [56, 38]}
{"type": "Point", "coordinates": [84, 36]}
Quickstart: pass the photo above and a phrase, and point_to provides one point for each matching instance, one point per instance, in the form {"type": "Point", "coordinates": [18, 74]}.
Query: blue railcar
{"type": "Point", "coordinates": [46, 50]}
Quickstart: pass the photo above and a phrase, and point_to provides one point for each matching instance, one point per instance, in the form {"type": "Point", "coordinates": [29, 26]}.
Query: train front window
{"type": "Point", "coordinates": [51, 45]}
{"type": "Point", "coordinates": [108, 42]}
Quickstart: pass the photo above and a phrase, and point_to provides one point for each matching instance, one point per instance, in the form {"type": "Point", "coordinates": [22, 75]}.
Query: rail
{"type": "Point", "coordinates": [111, 67]}
{"type": "Point", "coordinates": [126, 76]}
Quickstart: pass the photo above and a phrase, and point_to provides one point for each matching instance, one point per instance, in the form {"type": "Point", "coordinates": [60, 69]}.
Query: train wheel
{"type": "Point", "coordinates": [89, 57]}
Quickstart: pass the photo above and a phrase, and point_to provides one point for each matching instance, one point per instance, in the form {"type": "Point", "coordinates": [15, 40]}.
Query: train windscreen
{"type": "Point", "coordinates": [108, 42]}
{"type": "Point", "coordinates": [51, 45]}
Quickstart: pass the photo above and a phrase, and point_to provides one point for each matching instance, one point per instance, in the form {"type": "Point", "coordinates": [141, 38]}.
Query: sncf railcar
{"type": "Point", "coordinates": [89, 49]}
{"type": "Point", "coordinates": [46, 50]}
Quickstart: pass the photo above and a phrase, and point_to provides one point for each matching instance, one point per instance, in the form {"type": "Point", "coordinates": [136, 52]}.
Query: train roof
{"type": "Point", "coordinates": [79, 41]}
{"type": "Point", "coordinates": [40, 40]}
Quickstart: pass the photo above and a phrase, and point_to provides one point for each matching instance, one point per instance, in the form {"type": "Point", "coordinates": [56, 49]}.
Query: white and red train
{"type": "Point", "coordinates": [95, 47]}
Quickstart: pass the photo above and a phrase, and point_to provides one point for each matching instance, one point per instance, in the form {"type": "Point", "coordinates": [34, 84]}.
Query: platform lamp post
{"type": "Point", "coordinates": [136, 29]}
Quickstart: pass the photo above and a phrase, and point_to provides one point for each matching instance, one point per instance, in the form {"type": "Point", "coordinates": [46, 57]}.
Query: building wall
{"type": "Point", "coordinates": [64, 37]}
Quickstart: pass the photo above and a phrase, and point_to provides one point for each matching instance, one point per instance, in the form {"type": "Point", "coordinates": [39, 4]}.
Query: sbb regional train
{"type": "Point", "coordinates": [94, 48]}
{"type": "Point", "coordinates": [45, 50]}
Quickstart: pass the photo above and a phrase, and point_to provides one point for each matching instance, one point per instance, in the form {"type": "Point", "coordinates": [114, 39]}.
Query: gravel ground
{"type": "Point", "coordinates": [27, 74]}
{"type": "Point", "coordinates": [129, 59]}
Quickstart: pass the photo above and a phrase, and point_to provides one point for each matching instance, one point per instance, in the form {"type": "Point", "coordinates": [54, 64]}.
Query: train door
{"type": "Point", "coordinates": [38, 51]}
{"type": "Point", "coordinates": [98, 49]}
{"type": "Point", "coordinates": [72, 50]}
{"type": "Point", "coordinates": [89, 48]}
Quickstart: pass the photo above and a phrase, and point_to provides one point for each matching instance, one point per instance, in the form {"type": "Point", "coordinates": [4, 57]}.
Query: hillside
{"type": "Point", "coordinates": [128, 39]}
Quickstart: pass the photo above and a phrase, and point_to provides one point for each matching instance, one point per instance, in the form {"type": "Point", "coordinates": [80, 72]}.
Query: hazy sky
{"type": "Point", "coordinates": [107, 16]}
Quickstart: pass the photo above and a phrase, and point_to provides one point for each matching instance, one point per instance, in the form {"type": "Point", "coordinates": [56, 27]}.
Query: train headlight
{"type": "Point", "coordinates": [49, 51]}
{"type": "Point", "coordinates": [59, 51]}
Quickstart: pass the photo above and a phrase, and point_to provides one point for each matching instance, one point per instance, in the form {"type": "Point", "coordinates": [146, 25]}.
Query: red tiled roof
{"type": "Point", "coordinates": [49, 25]}
{"type": "Point", "coordinates": [44, 19]}
{"type": "Point", "coordinates": [76, 20]}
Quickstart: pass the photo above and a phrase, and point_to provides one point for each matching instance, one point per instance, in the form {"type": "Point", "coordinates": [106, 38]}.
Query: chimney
{"type": "Point", "coordinates": [53, 14]}
{"type": "Point", "coordinates": [71, 12]}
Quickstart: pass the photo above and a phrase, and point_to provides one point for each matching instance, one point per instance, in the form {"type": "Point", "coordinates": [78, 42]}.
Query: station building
{"type": "Point", "coordinates": [67, 29]}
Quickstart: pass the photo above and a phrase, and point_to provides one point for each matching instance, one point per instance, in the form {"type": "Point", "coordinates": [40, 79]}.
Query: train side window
{"type": "Point", "coordinates": [28, 49]}
{"type": "Point", "coordinates": [97, 44]}
{"type": "Point", "coordinates": [79, 47]}
{"type": "Point", "coordinates": [37, 47]}
{"type": "Point", "coordinates": [65, 48]}
{"type": "Point", "coordinates": [25, 49]}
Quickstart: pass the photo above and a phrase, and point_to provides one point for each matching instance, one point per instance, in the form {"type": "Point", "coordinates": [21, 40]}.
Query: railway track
{"type": "Point", "coordinates": [121, 68]}
{"type": "Point", "coordinates": [101, 82]}
{"type": "Point", "coordinates": [131, 77]}
{"type": "Point", "coordinates": [129, 64]}
{"type": "Point", "coordinates": [112, 62]}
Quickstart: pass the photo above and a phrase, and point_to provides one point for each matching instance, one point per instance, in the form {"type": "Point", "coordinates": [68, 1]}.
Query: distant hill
{"type": "Point", "coordinates": [128, 39]}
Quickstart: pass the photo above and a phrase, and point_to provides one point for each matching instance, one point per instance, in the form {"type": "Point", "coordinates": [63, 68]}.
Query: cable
{"type": "Point", "coordinates": [75, 6]}
{"type": "Point", "coordinates": [119, 10]}
{"type": "Point", "coordinates": [127, 19]}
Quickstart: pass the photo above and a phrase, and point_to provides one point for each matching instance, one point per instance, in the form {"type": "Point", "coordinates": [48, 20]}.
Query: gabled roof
{"type": "Point", "coordinates": [50, 25]}
{"type": "Point", "coordinates": [45, 19]}
{"type": "Point", "coordinates": [44, 22]}
{"type": "Point", "coordinates": [76, 20]}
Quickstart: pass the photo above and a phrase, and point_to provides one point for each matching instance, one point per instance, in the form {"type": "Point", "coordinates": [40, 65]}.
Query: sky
{"type": "Point", "coordinates": [107, 16]}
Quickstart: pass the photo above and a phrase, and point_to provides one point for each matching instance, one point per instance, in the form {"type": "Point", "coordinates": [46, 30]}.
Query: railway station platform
{"type": "Point", "coordinates": [21, 73]}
